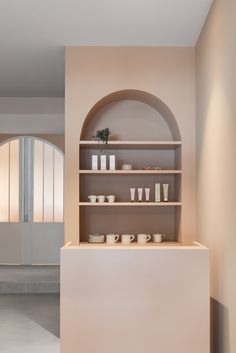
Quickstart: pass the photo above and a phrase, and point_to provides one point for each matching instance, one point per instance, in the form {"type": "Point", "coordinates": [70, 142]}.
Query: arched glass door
{"type": "Point", "coordinates": [31, 201]}
{"type": "Point", "coordinates": [31, 181]}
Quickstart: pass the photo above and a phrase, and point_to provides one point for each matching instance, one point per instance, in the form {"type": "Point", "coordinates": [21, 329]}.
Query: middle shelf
{"type": "Point", "coordinates": [131, 172]}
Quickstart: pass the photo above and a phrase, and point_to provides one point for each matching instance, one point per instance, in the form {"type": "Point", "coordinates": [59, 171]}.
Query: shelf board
{"type": "Point", "coordinates": [132, 204]}
{"type": "Point", "coordinates": [130, 144]}
{"type": "Point", "coordinates": [130, 172]}
{"type": "Point", "coordinates": [130, 246]}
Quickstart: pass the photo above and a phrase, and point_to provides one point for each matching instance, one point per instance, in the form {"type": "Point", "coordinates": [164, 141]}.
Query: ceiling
{"type": "Point", "coordinates": [33, 34]}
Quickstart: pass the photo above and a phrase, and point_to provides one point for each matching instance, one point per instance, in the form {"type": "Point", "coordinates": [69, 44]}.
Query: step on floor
{"type": "Point", "coordinates": [29, 279]}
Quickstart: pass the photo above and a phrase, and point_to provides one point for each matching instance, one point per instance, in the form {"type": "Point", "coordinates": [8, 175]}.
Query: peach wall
{"type": "Point", "coordinates": [94, 72]}
{"type": "Point", "coordinates": [216, 103]}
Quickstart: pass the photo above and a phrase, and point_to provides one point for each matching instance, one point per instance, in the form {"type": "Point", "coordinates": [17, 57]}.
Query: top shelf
{"type": "Point", "coordinates": [131, 144]}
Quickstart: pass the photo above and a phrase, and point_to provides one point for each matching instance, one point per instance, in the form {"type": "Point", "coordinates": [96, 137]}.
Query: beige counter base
{"type": "Point", "coordinates": [131, 301]}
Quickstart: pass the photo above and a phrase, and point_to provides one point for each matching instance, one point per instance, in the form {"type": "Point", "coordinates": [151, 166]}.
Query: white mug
{"type": "Point", "coordinates": [157, 238]}
{"type": "Point", "coordinates": [127, 238]}
{"type": "Point", "coordinates": [92, 198]}
{"type": "Point", "coordinates": [101, 198]}
{"type": "Point", "coordinates": [143, 238]}
{"type": "Point", "coordinates": [127, 167]}
{"type": "Point", "coordinates": [111, 198]}
{"type": "Point", "coordinates": [112, 238]}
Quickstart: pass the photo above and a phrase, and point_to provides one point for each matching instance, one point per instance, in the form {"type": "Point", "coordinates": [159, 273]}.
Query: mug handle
{"type": "Point", "coordinates": [132, 238]}
{"type": "Point", "coordinates": [163, 236]}
{"type": "Point", "coordinates": [89, 197]}
{"type": "Point", "coordinates": [149, 237]}
{"type": "Point", "coordinates": [116, 238]}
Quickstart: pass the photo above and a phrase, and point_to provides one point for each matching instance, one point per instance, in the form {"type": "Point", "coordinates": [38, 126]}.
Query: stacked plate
{"type": "Point", "coordinates": [96, 238]}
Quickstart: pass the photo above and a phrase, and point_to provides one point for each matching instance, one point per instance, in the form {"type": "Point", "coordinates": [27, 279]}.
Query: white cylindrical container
{"type": "Point", "coordinates": [103, 162]}
{"type": "Point", "coordinates": [112, 162]}
{"type": "Point", "coordinates": [158, 192]}
{"type": "Point", "coordinates": [140, 194]}
{"type": "Point", "coordinates": [147, 194]}
{"type": "Point", "coordinates": [94, 162]}
{"type": "Point", "coordinates": [132, 194]}
{"type": "Point", "coordinates": [165, 192]}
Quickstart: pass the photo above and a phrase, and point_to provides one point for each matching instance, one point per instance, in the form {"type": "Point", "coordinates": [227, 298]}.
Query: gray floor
{"type": "Point", "coordinates": [29, 279]}
{"type": "Point", "coordinates": [29, 323]}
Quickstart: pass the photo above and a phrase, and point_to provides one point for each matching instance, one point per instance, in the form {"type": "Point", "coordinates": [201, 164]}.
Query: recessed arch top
{"type": "Point", "coordinates": [136, 95]}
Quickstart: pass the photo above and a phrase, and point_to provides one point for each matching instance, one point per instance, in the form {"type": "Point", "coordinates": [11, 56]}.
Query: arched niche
{"type": "Point", "coordinates": [132, 115]}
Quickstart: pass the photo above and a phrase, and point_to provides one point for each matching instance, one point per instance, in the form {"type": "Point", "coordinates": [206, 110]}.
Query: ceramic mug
{"type": "Point", "coordinates": [111, 198]}
{"type": "Point", "coordinates": [127, 167]}
{"type": "Point", "coordinates": [101, 198]}
{"type": "Point", "coordinates": [158, 238]}
{"type": "Point", "coordinates": [92, 198]}
{"type": "Point", "coordinates": [127, 238]}
{"type": "Point", "coordinates": [143, 238]}
{"type": "Point", "coordinates": [112, 238]}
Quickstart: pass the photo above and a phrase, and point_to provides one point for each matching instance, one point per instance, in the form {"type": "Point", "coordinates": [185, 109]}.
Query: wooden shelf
{"type": "Point", "coordinates": [130, 144]}
{"type": "Point", "coordinates": [131, 204]}
{"type": "Point", "coordinates": [130, 172]}
{"type": "Point", "coordinates": [131, 245]}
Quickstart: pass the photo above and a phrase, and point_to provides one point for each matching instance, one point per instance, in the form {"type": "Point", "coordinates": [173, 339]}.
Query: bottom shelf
{"type": "Point", "coordinates": [131, 245]}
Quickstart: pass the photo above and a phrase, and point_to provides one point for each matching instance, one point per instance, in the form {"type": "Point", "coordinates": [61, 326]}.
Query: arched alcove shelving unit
{"type": "Point", "coordinates": [139, 112]}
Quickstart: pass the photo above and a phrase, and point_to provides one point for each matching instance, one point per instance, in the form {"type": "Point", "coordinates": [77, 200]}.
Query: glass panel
{"type": "Point", "coordinates": [14, 181]}
{"type": "Point", "coordinates": [48, 183]}
{"type": "Point", "coordinates": [38, 181]}
{"type": "Point", "coordinates": [58, 186]}
{"type": "Point", "coordinates": [4, 182]}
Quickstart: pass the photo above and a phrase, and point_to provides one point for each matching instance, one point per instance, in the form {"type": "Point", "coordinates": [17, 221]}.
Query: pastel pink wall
{"type": "Point", "coordinates": [216, 128]}
{"type": "Point", "coordinates": [95, 72]}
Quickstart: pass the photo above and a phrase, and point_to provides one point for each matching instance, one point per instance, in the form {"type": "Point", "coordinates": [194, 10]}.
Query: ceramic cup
{"type": "Point", "coordinates": [158, 238]}
{"type": "Point", "coordinates": [127, 167]}
{"type": "Point", "coordinates": [112, 238]}
{"type": "Point", "coordinates": [111, 198]}
{"type": "Point", "coordinates": [92, 198]}
{"type": "Point", "coordinates": [143, 238]}
{"type": "Point", "coordinates": [101, 198]}
{"type": "Point", "coordinates": [127, 238]}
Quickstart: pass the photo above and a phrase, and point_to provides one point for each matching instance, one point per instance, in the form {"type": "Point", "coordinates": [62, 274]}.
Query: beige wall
{"type": "Point", "coordinates": [95, 72]}
{"type": "Point", "coordinates": [216, 88]}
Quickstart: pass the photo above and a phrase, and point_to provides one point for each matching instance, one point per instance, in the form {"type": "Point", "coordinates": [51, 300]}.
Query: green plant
{"type": "Point", "coordinates": [102, 135]}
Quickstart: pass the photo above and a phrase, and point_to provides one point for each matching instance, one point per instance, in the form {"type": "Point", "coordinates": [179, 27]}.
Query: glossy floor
{"type": "Point", "coordinates": [29, 323]}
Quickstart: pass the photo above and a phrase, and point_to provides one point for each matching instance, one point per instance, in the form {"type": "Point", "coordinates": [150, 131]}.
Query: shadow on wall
{"type": "Point", "coordinates": [220, 337]}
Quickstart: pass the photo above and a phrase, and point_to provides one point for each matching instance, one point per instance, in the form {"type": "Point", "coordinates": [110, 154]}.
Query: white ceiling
{"type": "Point", "coordinates": [33, 34]}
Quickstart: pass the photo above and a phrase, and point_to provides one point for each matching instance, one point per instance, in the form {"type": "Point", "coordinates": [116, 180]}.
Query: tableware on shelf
{"type": "Point", "coordinates": [140, 194]}
{"type": "Point", "coordinates": [111, 198]}
{"type": "Point", "coordinates": [165, 192]}
{"type": "Point", "coordinates": [132, 194]}
{"type": "Point", "coordinates": [112, 238]}
{"type": "Point", "coordinates": [127, 167]}
{"type": "Point", "coordinates": [147, 194]}
{"type": "Point", "coordinates": [101, 198]}
{"type": "Point", "coordinates": [96, 238]}
{"type": "Point", "coordinates": [158, 237]}
{"type": "Point", "coordinates": [92, 198]}
{"type": "Point", "coordinates": [126, 239]}
{"type": "Point", "coordinates": [157, 192]}
{"type": "Point", "coordinates": [143, 238]}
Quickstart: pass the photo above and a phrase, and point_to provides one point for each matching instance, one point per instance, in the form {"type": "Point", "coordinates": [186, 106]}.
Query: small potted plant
{"type": "Point", "coordinates": [102, 135]}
